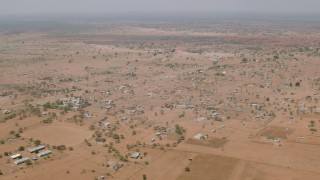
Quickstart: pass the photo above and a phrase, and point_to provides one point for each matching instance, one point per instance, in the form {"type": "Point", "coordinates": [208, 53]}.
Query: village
{"type": "Point", "coordinates": [160, 101]}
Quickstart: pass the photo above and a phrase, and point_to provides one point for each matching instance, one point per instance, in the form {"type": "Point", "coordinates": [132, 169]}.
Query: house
{"type": "Point", "coordinates": [181, 106]}
{"type": "Point", "coordinates": [6, 111]}
{"type": "Point", "coordinates": [117, 166]}
{"type": "Point", "coordinates": [100, 140]}
{"type": "Point", "coordinates": [135, 155]}
{"type": "Point", "coordinates": [108, 102]}
{"type": "Point", "coordinates": [199, 136]}
{"type": "Point", "coordinates": [44, 153]}
{"type": "Point", "coordinates": [16, 156]}
{"type": "Point", "coordinates": [123, 118]}
{"type": "Point", "coordinates": [101, 177]}
{"type": "Point", "coordinates": [22, 160]}
{"type": "Point", "coordinates": [87, 116]}
{"type": "Point", "coordinates": [45, 113]}
{"type": "Point", "coordinates": [304, 109]}
{"type": "Point", "coordinates": [158, 133]}
{"type": "Point", "coordinates": [201, 119]}
{"type": "Point", "coordinates": [104, 124]}
{"type": "Point", "coordinates": [40, 147]}
{"type": "Point", "coordinates": [256, 106]}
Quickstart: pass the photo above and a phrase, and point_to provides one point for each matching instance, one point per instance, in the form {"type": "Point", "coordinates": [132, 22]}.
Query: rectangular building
{"type": "Point", "coordinates": [15, 156]}
{"type": "Point", "coordinates": [32, 150]}
{"type": "Point", "coordinates": [44, 153]}
{"type": "Point", "coordinates": [22, 160]}
{"type": "Point", "coordinates": [135, 155]}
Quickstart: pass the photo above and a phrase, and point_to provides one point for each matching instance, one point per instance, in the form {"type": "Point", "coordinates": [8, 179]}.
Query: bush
{"type": "Point", "coordinates": [21, 148]}
{"type": "Point", "coordinates": [28, 162]}
{"type": "Point", "coordinates": [37, 142]}
{"type": "Point", "coordinates": [144, 177]}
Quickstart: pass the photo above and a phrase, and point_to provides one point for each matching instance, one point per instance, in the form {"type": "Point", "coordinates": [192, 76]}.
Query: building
{"type": "Point", "coordinates": [135, 155]}
{"type": "Point", "coordinates": [44, 153]}
{"type": "Point", "coordinates": [100, 140]}
{"type": "Point", "coordinates": [22, 160]}
{"type": "Point", "coordinates": [158, 133]}
{"type": "Point", "coordinates": [117, 166]}
{"type": "Point", "coordinates": [16, 156]}
{"type": "Point", "coordinates": [104, 124]}
{"type": "Point", "coordinates": [40, 147]}
{"type": "Point", "coordinates": [6, 111]}
{"type": "Point", "coordinates": [199, 136]}
{"type": "Point", "coordinates": [87, 116]}
{"type": "Point", "coordinates": [201, 119]}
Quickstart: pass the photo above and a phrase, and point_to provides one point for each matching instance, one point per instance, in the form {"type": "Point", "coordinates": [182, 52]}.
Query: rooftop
{"type": "Point", "coordinates": [44, 153]}
{"type": "Point", "coordinates": [36, 148]}
{"type": "Point", "coordinates": [22, 160]}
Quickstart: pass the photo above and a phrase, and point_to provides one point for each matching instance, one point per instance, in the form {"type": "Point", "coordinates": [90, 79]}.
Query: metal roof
{"type": "Point", "coordinates": [36, 148]}
{"type": "Point", "coordinates": [44, 153]}
{"type": "Point", "coordinates": [15, 156]}
{"type": "Point", "coordinates": [22, 160]}
{"type": "Point", "coordinates": [135, 155]}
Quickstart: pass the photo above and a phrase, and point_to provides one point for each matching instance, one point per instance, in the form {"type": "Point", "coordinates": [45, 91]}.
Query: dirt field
{"type": "Point", "coordinates": [214, 167]}
{"type": "Point", "coordinates": [215, 142]}
{"type": "Point", "coordinates": [59, 134]}
{"type": "Point", "coordinates": [279, 132]}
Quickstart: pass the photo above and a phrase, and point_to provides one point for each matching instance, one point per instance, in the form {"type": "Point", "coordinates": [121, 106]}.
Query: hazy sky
{"type": "Point", "coordinates": [143, 6]}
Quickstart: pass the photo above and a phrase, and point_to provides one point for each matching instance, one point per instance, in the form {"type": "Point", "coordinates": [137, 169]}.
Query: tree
{"type": "Point", "coordinates": [37, 142]}
{"type": "Point", "coordinates": [178, 129]}
{"type": "Point", "coordinates": [21, 148]}
{"type": "Point", "coordinates": [187, 169]}
{"type": "Point", "coordinates": [28, 162]}
{"type": "Point", "coordinates": [244, 60]}
{"type": "Point", "coordinates": [298, 84]}
{"type": "Point", "coordinates": [144, 177]}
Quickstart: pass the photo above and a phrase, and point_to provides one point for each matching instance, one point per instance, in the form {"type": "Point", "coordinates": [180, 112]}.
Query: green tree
{"type": "Point", "coordinates": [21, 148]}
{"type": "Point", "coordinates": [37, 142]}
{"type": "Point", "coordinates": [28, 162]}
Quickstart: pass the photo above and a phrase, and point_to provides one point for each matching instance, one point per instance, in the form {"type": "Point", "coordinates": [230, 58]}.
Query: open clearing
{"type": "Point", "coordinates": [214, 168]}
{"type": "Point", "coordinates": [279, 132]}
{"type": "Point", "coordinates": [213, 142]}
{"type": "Point", "coordinates": [59, 134]}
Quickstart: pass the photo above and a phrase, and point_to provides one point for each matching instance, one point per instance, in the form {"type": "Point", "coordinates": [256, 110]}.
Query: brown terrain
{"type": "Point", "coordinates": [198, 101]}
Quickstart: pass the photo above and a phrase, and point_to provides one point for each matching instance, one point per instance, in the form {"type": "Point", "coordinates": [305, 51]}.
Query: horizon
{"type": "Point", "coordinates": [169, 15]}
{"type": "Point", "coordinates": [16, 7]}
